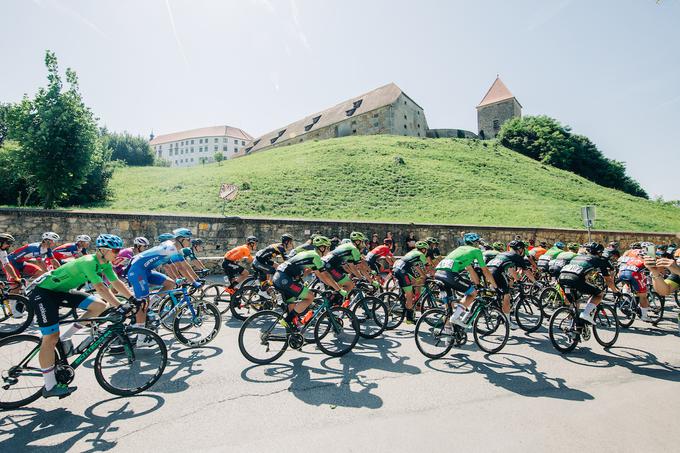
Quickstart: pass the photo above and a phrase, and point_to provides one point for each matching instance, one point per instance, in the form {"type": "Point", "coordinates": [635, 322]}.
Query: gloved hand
{"type": "Point", "coordinates": [196, 284]}
{"type": "Point", "coordinates": [124, 309]}
{"type": "Point", "coordinates": [342, 292]}
{"type": "Point", "coordinates": [179, 281]}
{"type": "Point", "coordinates": [375, 284]}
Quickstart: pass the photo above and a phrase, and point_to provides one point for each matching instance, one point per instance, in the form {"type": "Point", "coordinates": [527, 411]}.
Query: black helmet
{"type": "Point", "coordinates": [285, 237]}
{"type": "Point", "coordinates": [197, 241]}
{"type": "Point", "coordinates": [251, 239]}
{"type": "Point", "coordinates": [517, 245]}
{"type": "Point", "coordinates": [594, 248]}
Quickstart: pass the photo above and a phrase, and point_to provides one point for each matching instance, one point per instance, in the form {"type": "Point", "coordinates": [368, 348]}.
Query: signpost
{"type": "Point", "coordinates": [588, 215]}
{"type": "Point", "coordinates": [228, 192]}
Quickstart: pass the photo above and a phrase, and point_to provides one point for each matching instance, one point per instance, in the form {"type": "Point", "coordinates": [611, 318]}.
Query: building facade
{"type": "Point", "coordinates": [498, 106]}
{"type": "Point", "coordinates": [196, 146]}
{"type": "Point", "coordinates": [385, 110]}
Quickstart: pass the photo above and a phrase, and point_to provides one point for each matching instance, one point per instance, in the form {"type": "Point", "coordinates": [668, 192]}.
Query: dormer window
{"type": "Point", "coordinates": [355, 106]}
{"type": "Point", "coordinates": [311, 125]}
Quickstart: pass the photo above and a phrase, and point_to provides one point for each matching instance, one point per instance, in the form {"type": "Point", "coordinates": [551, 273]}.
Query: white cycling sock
{"type": "Point", "coordinates": [644, 311]}
{"type": "Point", "coordinates": [460, 309]}
{"type": "Point", "coordinates": [588, 309]}
{"type": "Point", "coordinates": [50, 378]}
{"type": "Point", "coordinates": [75, 327]}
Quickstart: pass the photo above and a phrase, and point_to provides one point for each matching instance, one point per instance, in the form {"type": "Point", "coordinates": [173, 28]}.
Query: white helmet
{"type": "Point", "coordinates": [83, 238]}
{"type": "Point", "coordinates": [50, 235]}
{"type": "Point", "coordinates": [141, 240]}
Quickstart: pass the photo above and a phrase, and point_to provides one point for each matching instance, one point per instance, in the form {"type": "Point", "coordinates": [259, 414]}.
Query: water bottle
{"type": "Point", "coordinates": [84, 345]}
{"type": "Point", "coordinates": [307, 317]}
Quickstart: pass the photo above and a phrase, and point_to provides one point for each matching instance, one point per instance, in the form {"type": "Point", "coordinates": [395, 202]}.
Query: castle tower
{"type": "Point", "coordinates": [498, 106]}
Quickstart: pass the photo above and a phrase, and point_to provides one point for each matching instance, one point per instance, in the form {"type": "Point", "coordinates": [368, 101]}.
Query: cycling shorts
{"type": "Point", "coordinates": [404, 279]}
{"type": "Point", "coordinates": [232, 269]}
{"type": "Point", "coordinates": [291, 289]}
{"type": "Point", "coordinates": [501, 279]}
{"type": "Point", "coordinates": [339, 275]}
{"type": "Point", "coordinates": [578, 283]}
{"type": "Point", "coordinates": [46, 305]}
{"type": "Point", "coordinates": [454, 281]}
{"type": "Point", "coordinates": [140, 280]}
{"type": "Point", "coordinates": [263, 270]}
{"type": "Point", "coordinates": [636, 280]}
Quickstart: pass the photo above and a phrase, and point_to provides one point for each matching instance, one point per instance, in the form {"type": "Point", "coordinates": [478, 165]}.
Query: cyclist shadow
{"type": "Point", "coordinates": [182, 365]}
{"type": "Point", "coordinates": [512, 372]}
{"type": "Point", "coordinates": [32, 428]}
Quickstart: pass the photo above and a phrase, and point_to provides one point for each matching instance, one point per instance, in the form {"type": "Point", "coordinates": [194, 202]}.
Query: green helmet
{"type": "Point", "coordinates": [573, 246]}
{"type": "Point", "coordinates": [432, 240]}
{"type": "Point", "coordinates": [321, 241]}
{"type": "Point", "coordinates": [498, 246]}
{"type": "Point", "coordinates": [422, 245]}
{"type": "Point", "coordinates": [357, 236]}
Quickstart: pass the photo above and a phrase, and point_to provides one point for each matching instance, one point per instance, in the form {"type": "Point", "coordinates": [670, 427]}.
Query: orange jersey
{"type": "Point", "coordinates": [239, 253]}
{"type": "Point", "coordinates": [632, 253]}
{"type": "Point", "coordinates": [537, 252]}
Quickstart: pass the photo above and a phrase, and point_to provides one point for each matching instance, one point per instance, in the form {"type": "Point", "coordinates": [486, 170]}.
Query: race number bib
{"type": "Point", "coordinates": [446, 263]}
{"type": "Point", "coordinates": [495, 263]}
{"type": "Point", "coordinates": [572, 268]}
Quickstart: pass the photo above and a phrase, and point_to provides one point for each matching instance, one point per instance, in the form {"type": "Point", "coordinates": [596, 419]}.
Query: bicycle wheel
{"type": "Point", "coordinates": [491, 330]}
{"type": "Point", "coordinates": [15, 315]}
{"type": "Point", "coordinates": [605, 326]}
{"type": "Point", "coordinates": [124, 369]}
{"type": "Point", "coordinates": [562, 330]}
{"type": "Point", "coordinates": [21, 379]}
{"type": "Point", "coordinates": [528, 314]}
{"type": "Point", "coordinates": [246, 301]}
{"type": "Point", "coordinates": [429, 334]}
{"type": "Point", "coordinates": [395, 309]}
{"type": "Point", "coordinates": [164, 309]}
{"type": "Point", "coordinates": [336, 331]}
{"type": "Point", "coordinates": [262, 339]}
{"type": "Point", "coordinates": [218, 295]}
{"type": "Point", "coordinates": [625, 307]}
{"type": "Point", "coordinates": [200, 328]}
{"type": "Point", "coordinates": [657, 305]}
{"type": "Point", "coordinates": [371, 314]}
{"type": "Point", "coordinates": [550, 300]}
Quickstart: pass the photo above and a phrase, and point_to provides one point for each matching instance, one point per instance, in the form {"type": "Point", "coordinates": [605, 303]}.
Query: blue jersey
{"type": "Point", "coordinates": [157, 256]}
{"type": "Point", "coordinates": [29, 252]}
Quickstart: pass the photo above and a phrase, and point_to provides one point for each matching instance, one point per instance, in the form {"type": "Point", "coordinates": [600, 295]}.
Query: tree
{"type": "Point", "coordinates": [219, 157]}
{"type": "Point", "coordinates": [58, 135]}
{"type": "Point", "coordinates": [134, 151]}
{"type": "Point", "coordinates": [545, 139]}
{"type": "Point", "coordinates": [17, 184]}
{"type": "Point", "coordinates": [4, 111]}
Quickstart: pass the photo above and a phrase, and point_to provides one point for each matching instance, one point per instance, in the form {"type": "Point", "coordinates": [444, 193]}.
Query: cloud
{"type": "Point", "coordinates": [174, 32]}
{"type": "Point", "coordinates": [266, 4]}
{"type": "Point", "coordinates": [295, 12]}
{"type": "Point", "coordinates": [544, 15]}
{"type": "Point", "coordinates": [73, 13]}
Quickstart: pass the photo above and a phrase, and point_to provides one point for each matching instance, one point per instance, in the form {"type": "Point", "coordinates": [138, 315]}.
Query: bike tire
{"type": "Point", "coordinates": [491, 316]}
{"type": "Point", "coordinates": [26, 397]}
{"type": "Point", "coordinates": [557, 325]}
{"type": "Point", "coordinates": [265, 331]}
{"type": "Point", "coordinates": [7, 325]}
{"type": "Point", "coordinates": [625, 307]}
{"type": "Point", "coordinates": [550, 299]}
{"type": "Point", "coordinates": [329, 321]}
{"type": "Point", "coordinates": [657, 306]}
{"type": "Point", "coordinates": [528, 314]}
{"type": "Point", "coordinates": [164, 307]}
{"type": "Point", "coordinates": [395, 309]}
{"type": "Point", "coordinates": [605, 316]}
{"type": "Point", "coordinates": [218, 295]}
{"type": "Point", "coordinates": [245, 302]}
{"type": "Point", "coordinates": [156, 347]}
{"type": "Point", "coordinates": [430, 326]}
{"type": "Point", "coordinates": [208, 314]}
{"type": "Point", "coordinates": [371, 314]}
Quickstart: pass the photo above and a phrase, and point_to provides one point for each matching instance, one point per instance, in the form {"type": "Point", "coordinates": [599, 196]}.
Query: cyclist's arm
{"type": "Point", "coordinates": [121, 289]}
{"type": "Point", "coordinates": [489, 277]}
{"type": "Point", "coordinates": [327, 280]}
{"type": "Point", "coordinates": [106, 293]}
{"type": "Point", "coordinates": [186, 271]}
{"type": "Point", "coordinates": [473, 274]}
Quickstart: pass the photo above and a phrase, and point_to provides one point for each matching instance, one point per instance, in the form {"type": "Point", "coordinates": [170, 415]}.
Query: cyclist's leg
{"type": "Point", "coordinates": [297, 295]}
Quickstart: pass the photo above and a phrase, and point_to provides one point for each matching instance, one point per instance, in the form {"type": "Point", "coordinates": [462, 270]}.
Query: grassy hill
{"type": "Point", "coordinates": [440, 181]}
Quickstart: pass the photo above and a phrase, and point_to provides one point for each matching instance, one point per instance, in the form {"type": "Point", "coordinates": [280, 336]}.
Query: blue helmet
{"type": "Point", "coordinates": [559, 244]}
{"type": "Point", "coordinates": [182, 233]}
{"type": "Point", "coordinates": [165, 237]}
{"type": "Point", "coordinates": [471, 238]}
{"type": "Point", "coordinates": [109, 241]}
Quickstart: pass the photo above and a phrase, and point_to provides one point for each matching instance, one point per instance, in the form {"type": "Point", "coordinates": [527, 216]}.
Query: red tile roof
{"type": "Point", "coordinates": [215, 131]}
{"type": "Point", "coordinates": [497, 93]}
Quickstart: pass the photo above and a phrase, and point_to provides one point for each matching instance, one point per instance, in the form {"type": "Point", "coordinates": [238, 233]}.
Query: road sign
{"type": "Point", "coordinates": [588, 215]}
{"type": "Point", "coordinates": [228, 192]}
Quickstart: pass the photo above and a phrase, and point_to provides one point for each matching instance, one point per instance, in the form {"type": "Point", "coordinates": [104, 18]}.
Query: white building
{"type": "Point", "coordinates": [184, 149]}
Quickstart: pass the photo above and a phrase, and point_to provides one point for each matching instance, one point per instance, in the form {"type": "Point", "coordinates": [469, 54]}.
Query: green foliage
{"type": "Point", "coordinates": [446, 181]}
{"type": "Point", "coordinates": [159, 162]}
{"type": "Point", "coordinates": [545, 139]}
{"type": "Point", "coordinates": [58, 136]}
{"type": "Point", "coordinates": [460, 134]}
{"type": "Point", "coordinates": [219, 157]}
{"type": "Point", "coordinates": [4, 127]}
{"type": "Point", "coordinates": [132, 150]}
{"type": "Point", "coordinates": [18, 188]}
{"type": "Point", "coordinates": [96, 185]}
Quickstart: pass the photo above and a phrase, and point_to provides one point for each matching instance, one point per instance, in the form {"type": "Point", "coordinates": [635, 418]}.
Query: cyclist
{"type": "Point", "coordinates": [504, 268]}
{"type": "Point", "coordinates": [543, 263]}
{"type": "Point", "coordinates": [588, 273]}
{"type": "Point", "coordinates": [309, 245]}
{"type": "Point", "coordinates": [190, 254]}
{"type": "Point", "coordinates": [59, 288]}
{"type": "Point", "coordinates": [264, 265]}
{"type": "Point", "coordinates": [632, 271]}
{"type": "Point", "coordinates": [561, 260]}
{"type": "Point", "coordinates": [125, 256]}
{"type": "Point", "coordinates": [6, 241]}
{"type": "Point", "coordinates": [72, 250]}
{"type": "Point", "coordinates": [536, 252]}
{"type": "Point", "coordinates": [235, 273]}
{"type": "Point", "coordinates": [346, 257]}
{"type": "Point", "coordinates": [496, 248]}
{"type": "Point", "coordinates": [288, 279]}
{"type": "Point", "coordinates": [432, 252]}
{"type": "Point", "coordinates": [380, 256]}
{"type": "Point", "coordinates": [31, 259]}
{"type": "Point", "coordinates": [448, 273]}
{"type": "Point", "coordinates": [407, 269]}
{"type": "Point", "coordinates": [167, 269]}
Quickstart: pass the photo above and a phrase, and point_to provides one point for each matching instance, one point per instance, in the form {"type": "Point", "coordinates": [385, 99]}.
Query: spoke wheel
{"type": "Point", "coordinates": [430, 338]}
{"type": "Point", "coordinates": [21, 380]}
{"type": "Point", "coordinates": [371, 314]}
{"type": "Point", "coordinates": [246, 301]}
{"type": "Point", "coordinates": [218, 295]}
{"type": "Point", "coordinates": [395, 309]}
{"type": "Point", "coordinates": [605, 326]}
{"type": "Point", "coordinates": [262, 339]}
{"type": "Point", "coordinates": [491, 330]}
{"type": "Point", "coordinates": [550, 300]}
{"type": "Point", "coordinates": [562, 330]}
{"type": "Point", "coordinates": [16, 314]}
{"type": "Point", "coordinates": [528, 314]}
{"type": "Point", "coordinates": [625, 307]}
{"type": "Point", "coordinates": [336, 331]}
{"type": "Point", "coordinates": [199, 329]}
{"type": "Point", "coordinates": [657, 306]}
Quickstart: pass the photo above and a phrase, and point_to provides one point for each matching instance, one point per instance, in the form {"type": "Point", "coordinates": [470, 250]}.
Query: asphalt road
{"type": "Point", "coordinates": [384, 396]}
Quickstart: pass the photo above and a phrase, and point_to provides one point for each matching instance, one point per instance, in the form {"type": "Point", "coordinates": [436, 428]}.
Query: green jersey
{"type": "Point", "coordinates": [294, 266]}
{"type": "Point", "coordinates": [461, 258]}
{"type": "Point", "coordinates": [411, 259]}
{"type": "Point", "coordinates": [76, 273]}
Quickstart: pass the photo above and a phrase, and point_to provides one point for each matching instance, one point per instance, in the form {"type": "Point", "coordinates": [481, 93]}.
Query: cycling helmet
{"type": "Point", "coordinates": [321, 241]}
{"type": "Point", "coordinates": [346, 241]}
{"type": "Point", "coordinates": [83, 238]}
{"type": "Point", "coordinates": [471, 238]}
{"type": "Point", "coordinates": [573, 246]}
{"type": "Point", "coordinates": [357, 236]}
{"type": "Point", "coordinates": [646, 244]}
{"type": "Point", "coordinates": [422, 245]}
{"type": "Point", "coordinates": [432, 240]}
{"type": "Point", "coordinates": [165, 237]}
{"type": "Point", "coordinates": [251, 240]}
{"type": "Point", "coordinates": [50, 235]}
{"type": "Point", "coordinates": [109, 241]}
{"type": "Point", "coordinates": [6, 238]}
{"type": "Point", "coordinates": [559, 245]}
{"type": "Point", "coordinates": [182, 233]}
{"type": "Point", "coordinates": [141, 240]}
{"type": "Point", "coordinates": [515, 245]}
{"type": "Point", "coordinates": [498, 246]}
{"type": "Point", "coordinates": [635, 246]}
{"type": "Point", "coordinates": [286, 238]}
{"type": "Point", "coordinates": [594, 248]}
{"type": "Point", "coordinates": [196, 241]}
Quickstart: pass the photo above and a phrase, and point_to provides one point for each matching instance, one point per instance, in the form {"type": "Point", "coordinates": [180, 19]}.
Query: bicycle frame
{"type": "Point", "coordinates": [177, 304]}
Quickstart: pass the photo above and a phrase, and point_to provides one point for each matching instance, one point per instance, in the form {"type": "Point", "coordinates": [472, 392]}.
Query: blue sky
{"type": "Point", "coordinates": [609, 69]}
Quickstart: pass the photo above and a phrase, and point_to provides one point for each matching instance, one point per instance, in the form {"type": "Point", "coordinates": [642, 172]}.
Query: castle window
{"type": "Point", "coordinates": [354, 131]}
{"type": "Point", "coordinates": [418, 125]}
{"type": "Point", "coordinates": [314, 121]}
{"type": "Point", "coordinates": [405, 117]}
{"type": "Point", "coordinates": [376, 124]}
{"type": "Point", "coordinates": [404, 126]}
{"type": "Point", "coordinates": [357, 104]}
{"type": "Point", "coordinates": [375, 115]}
{"type": "Point", "coordinates": [496, 124]}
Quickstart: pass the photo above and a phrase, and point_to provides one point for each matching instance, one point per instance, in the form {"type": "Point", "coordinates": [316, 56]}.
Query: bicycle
{"type": "Point", "coordinates": [525, 307]}
{"type": "Point", "coordinates": [11, 305]}
{"type": "Point", "coordinates": [396, 303]}
{"type": "Point", "coordinates": [120, 367]}
{"type": "Point", "coordinates": [628, 308]}
{"type": "Point", "coordinates": [336, 331]}
{"type": "Point", "coordinates": [489, 325]}
{"type": "Point", "coordinates": [371, 312]}
{"type": "Point", "coordinates": [567, 329]}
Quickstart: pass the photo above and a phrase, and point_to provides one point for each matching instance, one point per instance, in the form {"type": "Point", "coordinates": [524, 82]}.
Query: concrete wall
{"type": "Point", "coordinates": [501, 111]}
{"type": "Point", "coordinates": [225, 232]}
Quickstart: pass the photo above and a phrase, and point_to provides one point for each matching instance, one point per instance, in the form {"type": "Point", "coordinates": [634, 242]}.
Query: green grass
{"type": "Point", "coordinates": [356, 178]}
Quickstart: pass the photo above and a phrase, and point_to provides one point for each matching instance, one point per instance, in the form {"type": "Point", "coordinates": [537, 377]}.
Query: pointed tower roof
{"type": "Point", "coordinates": [497, 93]}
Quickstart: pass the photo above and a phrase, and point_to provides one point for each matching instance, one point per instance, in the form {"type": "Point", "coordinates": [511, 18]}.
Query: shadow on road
{"type": "Point", "coordinates": [31, 428]}
{"type": "Point", "coordinates": [182, 365]}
